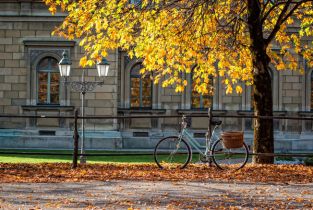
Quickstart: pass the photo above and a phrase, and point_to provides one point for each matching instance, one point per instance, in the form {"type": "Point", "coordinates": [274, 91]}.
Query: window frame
{"type": "Point", "coordinates": [135, 2]}
{"type": "Point", "coordinates": [49, 71]}
{"type": "Point", "coordinates": [201, 97]}
{"type": "Point", "coordinates": [311, 94]}
{"type": "Point", "coordinates": [140, 89]}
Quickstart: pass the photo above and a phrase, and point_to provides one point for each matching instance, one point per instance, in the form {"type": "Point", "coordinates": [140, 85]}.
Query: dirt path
{"type": "Point", "coordinates": [125, 194]}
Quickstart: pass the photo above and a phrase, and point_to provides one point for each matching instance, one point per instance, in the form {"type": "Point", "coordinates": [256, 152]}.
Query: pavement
{"type": "Point", "coordinates": [125, 194]}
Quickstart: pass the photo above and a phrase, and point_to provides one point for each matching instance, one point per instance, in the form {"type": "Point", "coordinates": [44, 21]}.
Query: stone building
{"type": "Point", "coordinates": [30, 84]}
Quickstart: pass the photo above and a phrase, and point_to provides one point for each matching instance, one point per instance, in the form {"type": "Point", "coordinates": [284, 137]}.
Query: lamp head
{"type": "Point", "coordinates": [103, 67]}
{"type": "Point", "coordinates": [65, 65]}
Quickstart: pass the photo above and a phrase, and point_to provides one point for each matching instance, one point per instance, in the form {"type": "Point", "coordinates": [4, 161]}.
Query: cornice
{"type": "Point", "coordinates": [17, 1]}
{"type": "Point", "coordinates": [31, 18]}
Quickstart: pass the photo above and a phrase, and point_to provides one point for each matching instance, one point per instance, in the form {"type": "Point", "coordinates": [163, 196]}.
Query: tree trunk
{"type": "Point", "coordinates": [262, 87]}
{"type": "Point", "coordinates": [263, 106]}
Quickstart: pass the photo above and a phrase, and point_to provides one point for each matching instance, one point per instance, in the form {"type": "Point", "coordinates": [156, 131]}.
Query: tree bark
{"type": "Point", "coordinates": [262, 87]}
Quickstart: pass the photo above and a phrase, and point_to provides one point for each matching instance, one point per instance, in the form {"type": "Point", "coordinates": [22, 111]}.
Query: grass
{"type": "Point", "coordinates": [25, 158]}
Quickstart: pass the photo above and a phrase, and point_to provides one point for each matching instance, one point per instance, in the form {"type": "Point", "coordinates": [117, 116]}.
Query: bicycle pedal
{"type": "Point", "coordinates": [204, 160]}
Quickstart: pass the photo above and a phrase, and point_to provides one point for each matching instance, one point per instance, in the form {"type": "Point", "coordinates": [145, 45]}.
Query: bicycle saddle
{"type": "Point", "coordinates": [216, 122]}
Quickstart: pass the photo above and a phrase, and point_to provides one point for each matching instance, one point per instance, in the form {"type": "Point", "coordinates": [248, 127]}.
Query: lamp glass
{"type": "Point", "coordinates": [103, 68]}
{"type": "Point", "coordinates": [65, 70]}
{"type": "Point", "coordinates": [65, 65]}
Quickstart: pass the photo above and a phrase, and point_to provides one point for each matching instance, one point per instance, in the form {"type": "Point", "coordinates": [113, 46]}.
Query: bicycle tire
{"type": "Point", "coordinates": [239, 159]}
{"type": "Point", "coordinates": [163, 147]}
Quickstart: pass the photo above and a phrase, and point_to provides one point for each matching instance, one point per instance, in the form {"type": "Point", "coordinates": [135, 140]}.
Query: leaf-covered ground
{"type": "Point", "coordinates": [62, 172]}
{"type": "Point", "coordinates": [156, 195]}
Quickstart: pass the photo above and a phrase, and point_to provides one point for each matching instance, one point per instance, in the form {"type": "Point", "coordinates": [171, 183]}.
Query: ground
{"type": "Point", "coordinates": [125, 194]}
{"type": "Point", "coordinates": [144, 186]}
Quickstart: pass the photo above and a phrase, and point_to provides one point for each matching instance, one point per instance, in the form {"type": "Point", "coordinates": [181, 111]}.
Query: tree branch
{"type": "Point", "coordinates": [278, 23]}
{"type": "Point", "coordinates": [264, 6]}
{"type": "Point", "coordinates": [284, 15]}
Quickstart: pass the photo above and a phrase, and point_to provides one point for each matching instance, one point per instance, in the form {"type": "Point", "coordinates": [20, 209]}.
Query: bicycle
{"type": "Point", "coordinates": [176, 152]}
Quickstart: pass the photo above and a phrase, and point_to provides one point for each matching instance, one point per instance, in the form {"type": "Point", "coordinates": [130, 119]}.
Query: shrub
{"type": "Point", "coordinates": [308, 161]}
{"type": "Point", "coordinates": [285, 159]}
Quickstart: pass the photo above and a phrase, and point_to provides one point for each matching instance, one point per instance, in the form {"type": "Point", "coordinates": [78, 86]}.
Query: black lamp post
{"type": "Point", "coordinates": [83, 87]}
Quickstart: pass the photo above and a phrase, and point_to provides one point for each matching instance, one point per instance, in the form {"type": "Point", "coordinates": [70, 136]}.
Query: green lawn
{"type": "Point", "coordinates": [25, 158]}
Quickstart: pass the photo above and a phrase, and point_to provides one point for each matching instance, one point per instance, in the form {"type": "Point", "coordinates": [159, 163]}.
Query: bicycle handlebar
{"type": "Point", "coordinates": [213, 122]}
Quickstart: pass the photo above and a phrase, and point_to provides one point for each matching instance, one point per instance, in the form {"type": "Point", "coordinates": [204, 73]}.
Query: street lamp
{"type": "Point", "coordinates": [83, 87]}
{"type": "Point", "coordinates": [103, 67]}
{"type": "Point", "coordinates": [65, 65]}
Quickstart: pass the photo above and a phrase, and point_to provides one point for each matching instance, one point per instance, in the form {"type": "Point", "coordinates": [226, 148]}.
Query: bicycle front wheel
{"type": "Point", "coordinates": [225, 158]}
{"type": "Point", "coordinates": [171, 153]}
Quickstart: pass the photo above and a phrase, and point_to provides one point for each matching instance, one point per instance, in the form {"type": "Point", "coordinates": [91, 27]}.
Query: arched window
{"type": "Point", "coordinates": [140, 88]}
{"type": "Point", "coordinates": [312, 91]}
{"type": "Point", "coordinates": [136, 2]}
{"type": "Point", "coordinates": [48, 80]}
{"type": "Point", "coordinates": [199, 101]}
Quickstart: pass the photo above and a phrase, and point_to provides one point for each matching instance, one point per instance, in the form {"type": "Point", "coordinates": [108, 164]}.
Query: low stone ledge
{"type": "Point", "coordinates": [140, 111]}
{"type": "Point", "coordinates": [201, 111]}
{"type": "Point", "coordinates": [47, 107]}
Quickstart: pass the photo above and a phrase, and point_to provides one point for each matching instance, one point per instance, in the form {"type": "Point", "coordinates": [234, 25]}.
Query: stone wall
{"type": "Point", "coordinates": [25, 38]}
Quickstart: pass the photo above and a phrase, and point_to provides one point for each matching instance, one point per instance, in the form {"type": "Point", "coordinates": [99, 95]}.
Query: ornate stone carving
{"type": "Point", "coordinates": [126, 61]}
{"type": "Point", "coordinates": [35, 53]}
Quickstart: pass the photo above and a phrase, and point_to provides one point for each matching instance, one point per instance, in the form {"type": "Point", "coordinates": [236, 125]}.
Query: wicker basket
{"type": "Point", "coordinates": [232, 139]}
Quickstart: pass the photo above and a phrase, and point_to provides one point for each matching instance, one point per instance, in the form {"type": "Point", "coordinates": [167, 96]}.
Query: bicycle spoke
{"type": "Point", "coordinates": [234, 158]}
{"type": "Point", "coordinates": [172, 152]}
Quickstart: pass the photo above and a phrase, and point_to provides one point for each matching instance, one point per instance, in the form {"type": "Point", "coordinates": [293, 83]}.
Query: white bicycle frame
{"type": "Point", "coordinates": [193, 142]}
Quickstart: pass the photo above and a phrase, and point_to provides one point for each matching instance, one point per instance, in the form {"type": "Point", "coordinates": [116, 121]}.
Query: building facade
{"type": "Point", "coordinates": [30, 84]}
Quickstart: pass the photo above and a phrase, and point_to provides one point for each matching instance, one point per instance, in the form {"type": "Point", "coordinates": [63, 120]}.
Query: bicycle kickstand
{"type": "Point", "coordinates": [210, 162]}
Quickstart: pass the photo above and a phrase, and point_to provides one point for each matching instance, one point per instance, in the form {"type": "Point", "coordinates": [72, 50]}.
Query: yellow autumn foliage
{"type": "Point", "coordinates": [206, 38]}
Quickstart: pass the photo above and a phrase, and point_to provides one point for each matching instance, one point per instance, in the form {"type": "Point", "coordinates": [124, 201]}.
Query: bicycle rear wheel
{"type": "Point", "coordinates": [172, 152]}
{"type": "Point", "coordinates": [225, 158]}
